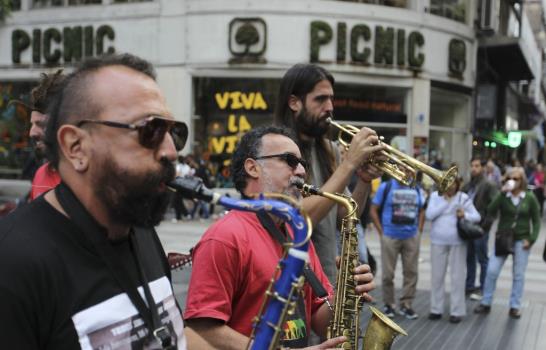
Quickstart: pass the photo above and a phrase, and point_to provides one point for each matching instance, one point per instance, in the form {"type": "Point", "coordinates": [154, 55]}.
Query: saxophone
{"type": "Point", "coordinates": [381, 330]}
{"type": "Point", "coordinates": [282, 294]}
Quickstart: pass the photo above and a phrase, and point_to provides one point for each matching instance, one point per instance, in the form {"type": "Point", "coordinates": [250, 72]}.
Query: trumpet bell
{"type": "Point", "coordinates": [446, 179]}
{"type": "Point", "coordinates": [381, 332]}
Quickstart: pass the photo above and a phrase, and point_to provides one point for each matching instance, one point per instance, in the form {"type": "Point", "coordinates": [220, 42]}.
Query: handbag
{"type": "Point", "coordinates": [468, 230]}
{"type": "Point", "coordinates": [504, 238]}
{"type": "Point", "coordinates": [504, 242]}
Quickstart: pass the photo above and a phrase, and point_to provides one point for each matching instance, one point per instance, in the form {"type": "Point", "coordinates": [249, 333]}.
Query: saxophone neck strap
{"type": "Point", "coordinates": [310, 276]}
{"type": "Point", "coordinates": [97, 236]}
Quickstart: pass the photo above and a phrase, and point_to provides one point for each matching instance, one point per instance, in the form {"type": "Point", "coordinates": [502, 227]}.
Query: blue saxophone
{"type": "Point", "coordinates": [282, 294]}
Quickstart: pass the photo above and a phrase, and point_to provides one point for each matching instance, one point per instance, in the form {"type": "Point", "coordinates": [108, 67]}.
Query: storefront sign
{"type": "Point", "coordinates": [70, 43]}
{"type": "Point", "coordinates": [360, 103]}
{"type": "Point", "coordinates": [389, 45]}
{"type": "Point", "coordinates": [231, 107]}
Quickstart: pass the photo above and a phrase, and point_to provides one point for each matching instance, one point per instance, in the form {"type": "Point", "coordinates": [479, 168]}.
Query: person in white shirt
{"type": "Point", "coordinates": [447, 248]}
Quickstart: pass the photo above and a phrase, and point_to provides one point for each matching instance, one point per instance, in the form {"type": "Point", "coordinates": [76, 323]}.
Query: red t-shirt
{"type": "Point", "coordinates": [232, 268]}
{"type": "Point", "coordinates": [44, 180]}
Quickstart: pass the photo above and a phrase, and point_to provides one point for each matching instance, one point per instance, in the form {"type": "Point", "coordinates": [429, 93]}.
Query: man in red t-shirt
{"type": "Point", "coordinates": [234, 261]}
{"type": "Point", "coordinates": [45, 177]}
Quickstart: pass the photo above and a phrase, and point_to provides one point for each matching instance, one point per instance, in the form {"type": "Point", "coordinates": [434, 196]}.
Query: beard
{"type": "Point", "coordinates": [132, 199]}
{"type": "Point", "coordinates": [313, 127]}
{"type": "Point", "coordinates": [38, 147]}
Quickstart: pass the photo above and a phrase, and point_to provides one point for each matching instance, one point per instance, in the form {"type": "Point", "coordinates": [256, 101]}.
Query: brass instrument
{"type": "Point", "coordinates": [288, 280]}
{"type": "Point", "coordinates": [381, 330]}
{"type": "Point", "coordinates": [399, 165]}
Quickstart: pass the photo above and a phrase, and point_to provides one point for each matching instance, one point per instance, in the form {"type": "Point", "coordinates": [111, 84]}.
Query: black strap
{"type": "Point", "coordinates": [274, 231]}
{"type": "Point", "coordinates": [98, 237]}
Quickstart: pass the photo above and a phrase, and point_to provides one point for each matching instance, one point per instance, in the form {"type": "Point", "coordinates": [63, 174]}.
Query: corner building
{"type": "Point", "coordinates": [404, 68]}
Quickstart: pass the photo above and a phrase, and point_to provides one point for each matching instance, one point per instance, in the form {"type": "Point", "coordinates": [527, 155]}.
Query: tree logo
{"type": "Point", "coordinates": [247, 40]}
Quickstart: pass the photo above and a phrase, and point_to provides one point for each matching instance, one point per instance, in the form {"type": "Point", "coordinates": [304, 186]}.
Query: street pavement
{"type": "Point", "coordinates": [183, 235]}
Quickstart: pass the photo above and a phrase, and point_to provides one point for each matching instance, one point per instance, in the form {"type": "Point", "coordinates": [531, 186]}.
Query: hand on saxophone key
{"type": "Point", "coordinates": [364, 279]}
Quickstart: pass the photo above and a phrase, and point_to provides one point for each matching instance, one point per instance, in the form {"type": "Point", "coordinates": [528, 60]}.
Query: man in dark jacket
{"type": "Point", "coordinates": [482, 191]}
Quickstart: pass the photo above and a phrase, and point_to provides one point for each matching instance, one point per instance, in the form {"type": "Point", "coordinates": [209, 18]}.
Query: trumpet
{"type": "Point", "coordinates": [399, 165]}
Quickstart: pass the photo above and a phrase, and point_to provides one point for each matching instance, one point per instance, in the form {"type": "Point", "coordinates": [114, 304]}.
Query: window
{"type": "Point", "coordinates": [46, 3]}
{"type": "Point", "coordinates": [53, 3]}
{"type": "Point", "coordinates": [122, 1]}
{"type": "Point", "coordinates": [452, 9]}
{"type": "Point", "coordinates": [392, 3]}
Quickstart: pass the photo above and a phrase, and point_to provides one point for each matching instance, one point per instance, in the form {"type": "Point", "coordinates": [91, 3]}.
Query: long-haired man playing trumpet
{"type": "Point", "coordinates": [304, 103]}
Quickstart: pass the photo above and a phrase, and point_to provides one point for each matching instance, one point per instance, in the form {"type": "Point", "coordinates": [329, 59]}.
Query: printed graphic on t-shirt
{"type": "Point", "coordinates": [404, 206]}
{"type": "Point", "coordinates": [115, 324]}
{"type": "Point", "coordinates": [294, 329]}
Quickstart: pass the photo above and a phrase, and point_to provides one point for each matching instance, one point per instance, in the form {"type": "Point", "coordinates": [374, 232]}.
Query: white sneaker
{"type": "Point", "coordinates": [174, 221]}
{"type": "Point", "coordinates": [476, 296]}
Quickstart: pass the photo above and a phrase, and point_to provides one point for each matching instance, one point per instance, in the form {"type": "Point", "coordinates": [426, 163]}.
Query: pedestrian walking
{"type": "Point", "coordinates": [482, 191]}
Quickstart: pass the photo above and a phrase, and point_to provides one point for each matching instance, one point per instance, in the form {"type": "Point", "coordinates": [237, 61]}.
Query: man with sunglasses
{"type": "Point", "coordinates": [304, 103]}
{"type": "Point", "coordinates": [82, 266]}
{"type": "Point", "coordinates": [236, 258]}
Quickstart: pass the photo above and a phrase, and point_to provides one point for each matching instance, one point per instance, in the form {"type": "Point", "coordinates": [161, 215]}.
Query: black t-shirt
{"type": "Point", "coordinates": [57, 293]}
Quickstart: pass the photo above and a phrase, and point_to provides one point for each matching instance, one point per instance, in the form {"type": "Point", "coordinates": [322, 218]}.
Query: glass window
{"type": "Point", "coordinates": [52, 3]}
{"type": "Point", "coordinates": [225, 108]}
{"type": "Point", "coordinates": [46, 3]}
{"type": "Point", "coordinates": [452, 9]}
{"type": "Point", "coordinates": [15, 5]}
{"type": "Point", "coordinates": [122, 1]}
{"type": "Point", "coordinates": [84, 2]}
{"type": "Point", "coordinates": [392, 3]}
{"type": "Point", "coordinates": [15, 149]}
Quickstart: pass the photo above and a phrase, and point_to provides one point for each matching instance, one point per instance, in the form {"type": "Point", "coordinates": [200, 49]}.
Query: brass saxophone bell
{"type": "Point", "coordinates": [380, 332]}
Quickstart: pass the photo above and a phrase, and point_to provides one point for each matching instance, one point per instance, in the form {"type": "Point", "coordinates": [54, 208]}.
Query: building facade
{"type": "Point", "coordinates": [404, 68]}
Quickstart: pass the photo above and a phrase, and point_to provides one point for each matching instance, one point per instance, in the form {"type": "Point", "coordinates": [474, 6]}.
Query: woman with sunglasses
{"type": "Point", "coordinates": [518, 209]}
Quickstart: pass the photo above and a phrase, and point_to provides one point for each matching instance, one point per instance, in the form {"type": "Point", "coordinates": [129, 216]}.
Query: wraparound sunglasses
{"type": "Point", "coordinates": [151, 131]}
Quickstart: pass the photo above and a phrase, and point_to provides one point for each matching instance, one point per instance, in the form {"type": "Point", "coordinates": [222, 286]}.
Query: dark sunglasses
{"type": "Point", "coordinates": [289, 158]}
{"type": "Point", "coordinates": [151, 131]}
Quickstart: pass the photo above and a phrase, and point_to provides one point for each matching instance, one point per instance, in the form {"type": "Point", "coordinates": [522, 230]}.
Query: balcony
{"type": "Point", "coordinates": [510, 50]}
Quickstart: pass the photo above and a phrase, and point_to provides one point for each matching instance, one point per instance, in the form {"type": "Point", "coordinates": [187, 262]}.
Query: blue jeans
{"type": "Point", "coordinates": [520, 258]}
{"type": "Point", "coordinates": [204, 206]}
{"type": "Point", "coordinates": [477, 250]}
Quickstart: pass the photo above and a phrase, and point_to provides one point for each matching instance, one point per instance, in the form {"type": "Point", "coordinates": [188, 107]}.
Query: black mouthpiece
{"type": "Point", "coordinates": [191, 187]}
{"type": "Point", "coordinates": [300, 184]}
